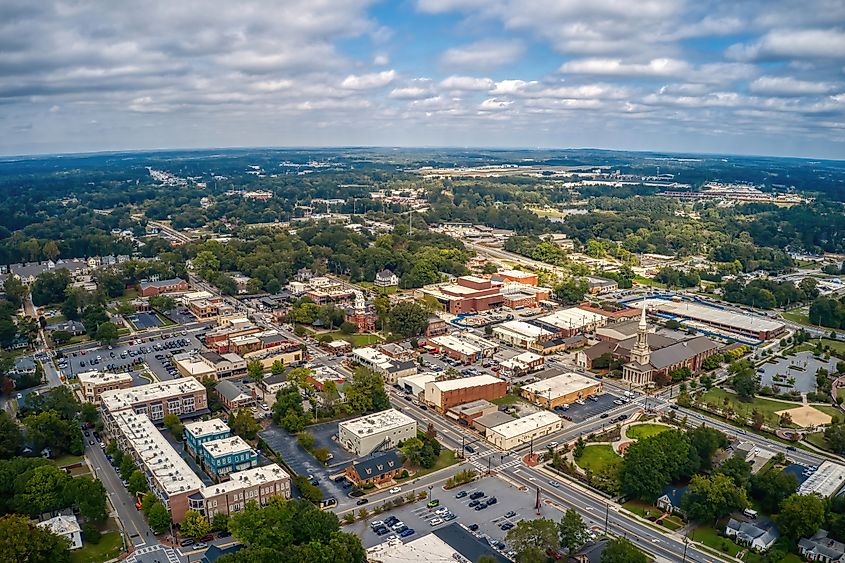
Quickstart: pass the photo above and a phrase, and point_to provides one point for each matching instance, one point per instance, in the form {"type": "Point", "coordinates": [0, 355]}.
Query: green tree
{"type": "Point", "coordinates": [277, 368]}
{"type": "Point", "coordinates": [88, 413]}
{"type": "Point", "coordinates": [834, 435]}
{"type": "Point", "coordinates": [801, 515]}
{"type": "Point", "coordinates": [220, 522]}
{"type": "Point", "coordinates": [40, 490]}
{"type": "Point", "coordinates": [107, 333]}
{"type": "Point", "coordinates": [771, 488]}
{"type": "Point", "coordinates": [22, 540]}
{"type": "Point", "coordinates": [15, 291]}
{"type": "Point", "coordinates": [159, 518]}
{"type": "Point", "coordinates": [738, 470]}
{"type": "Point", "coordinates": [10, 436]}
{"type": "Point", "coordinates": [88, 495]}
{"type": "Point", "coordinates": [571, 291]}
{"type": "Point", "coordinates": [527, 535]}
{"type": "Point", "coordinates": [243, 424]}
{"type": "Point", "coordinates": [710, 498]}
{"type": "Point", "coordinates": [621, 550]}
{"type": "Point", "coordinates": [127, 467]}
{"type": "Point", "coordinates": [61, 337]}
{"type": "Point", "coordinates": [572, 531]}
{"type": "Point", "coordinates": [366, 392]}
{"type": "Point", "coordinates": [173, 423]}
{"type": "Point", "coordinates": [255, 370]}
{"type": "Point", "coordinates": [162, 303]}
{"type": "Point", "coordinates": [137, 483]}
{"type": "Point", "coordinates": [407, 319]}
{"type": "Point", "coordinates": [194, 525]}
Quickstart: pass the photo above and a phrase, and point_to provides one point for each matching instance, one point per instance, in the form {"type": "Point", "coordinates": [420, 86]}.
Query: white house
{"type": "Point", "coordinates": [66, 527]}
{"type": "Point", "coordinates": [386, 278]}
{"type": "Point", "coordinates": [759, 535]}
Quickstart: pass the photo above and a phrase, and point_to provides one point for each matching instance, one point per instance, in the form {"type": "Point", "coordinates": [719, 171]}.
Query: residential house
{"type": "Point", "coordinates": [66, 527]}
{"type": "Point", "coordinates": [234, 395]}
{"type": "Point", "coordinates": [670, 500]}
{"type": "Point", "coordinates": [25, 366]}
{"type": "Point", "coordinates": [759, 535]}
{"type": "Point", "coordinates": [820, 547]}
{"type": "Point", "coordinates": [75, 328]}
{"type": "Point", "coordinates": [386, 278]}
{"type": "Point", "coordinates": [156, 287]}
{"type": "Point", "coordinates": [375, 470]}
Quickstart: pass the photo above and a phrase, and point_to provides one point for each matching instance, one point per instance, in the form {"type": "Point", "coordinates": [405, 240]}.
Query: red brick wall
{"type": "Point", "coordinates": [460, 396]}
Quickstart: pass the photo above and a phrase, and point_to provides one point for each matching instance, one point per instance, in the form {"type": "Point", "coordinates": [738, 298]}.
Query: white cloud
{"type": "Point", "coordinates": [495, 104]}
{"type": "Point", "coordinates": [368, 81]}
{"type": "Point", "coordinates": [410, 93]}
{"type": "Point", "coordinates": [615, 67]}
{"type": "Point", "coordinates": [511, 86]}
{"type": "Point", "coordinates": [483, 54]}
{"type": "Point", "coordinates": [466, 83]}
{"type": "Point", "coordinates": [784, 44]}
{"type": "Point", "coordinates": [381, 60]}
{"type": "Point", "coordinates": [790, 86]}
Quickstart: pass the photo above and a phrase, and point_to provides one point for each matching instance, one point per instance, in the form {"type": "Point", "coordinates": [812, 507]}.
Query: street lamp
{"type": "Point", "coordinates": [429, 493]}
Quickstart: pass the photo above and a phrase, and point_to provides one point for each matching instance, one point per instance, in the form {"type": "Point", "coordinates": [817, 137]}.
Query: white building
{"type": "Point", "coordinates": [521, 431]}
{"type": "Point", "coordinates": [66, 527]}
{"type": "Point", "coordinates": [825, 481]}
{"type": "Point", "coordinates": [415, 384]}
{"type": "Point", "coordinates": [379, 431]}
{"type": "Point", "coordinates": [520, 333]}
{"type": "Point", "coordinates": [573, 320]}
{"type": "Point", "coordinates": [94, 383]}
{"type": "Point", "coordinates": [390, 368]}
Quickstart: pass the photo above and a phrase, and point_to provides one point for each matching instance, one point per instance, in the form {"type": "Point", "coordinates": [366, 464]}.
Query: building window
{"type": "Point", "coordinates": [174, 406]}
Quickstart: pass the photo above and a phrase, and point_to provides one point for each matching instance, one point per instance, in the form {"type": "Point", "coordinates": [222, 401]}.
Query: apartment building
{"type": "Point", "coordinates": [227, 455]}
{"type": "Point", "coordinates": [92, 384]}
{"type": "Point", "coordinates": [259, 484]}
{"type": "Point", "coordinates": [443, 395]}
{"type": "Point", "coordinates": [201, 431]}
{"type": "Point", "coordinates": [183, 397]}
{"type": "Point", "coordinates": [379, 431]}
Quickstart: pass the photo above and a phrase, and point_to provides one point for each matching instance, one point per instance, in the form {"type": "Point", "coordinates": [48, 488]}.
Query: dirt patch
{"type": "Point", "coordinates": [623, 447]}
{"type": "Point", "coordinates": [806, 416]}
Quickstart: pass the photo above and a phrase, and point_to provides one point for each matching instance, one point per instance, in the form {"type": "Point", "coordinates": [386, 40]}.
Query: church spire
{"type": "Point", "coordinates": [641, 353]}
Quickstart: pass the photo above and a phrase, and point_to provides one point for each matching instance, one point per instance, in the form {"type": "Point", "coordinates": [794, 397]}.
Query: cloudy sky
{"type": "Point", "coordinates": [749, 76]}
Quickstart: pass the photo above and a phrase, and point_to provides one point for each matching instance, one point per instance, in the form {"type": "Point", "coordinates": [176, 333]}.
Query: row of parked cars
{"type": "Point", "coordinates": [391, 524]}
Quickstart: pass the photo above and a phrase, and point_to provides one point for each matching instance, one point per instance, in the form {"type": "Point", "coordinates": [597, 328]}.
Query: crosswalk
{"type": "Point", "coordinates": [159, 550]}
{"type": "Point", "coordinates": [480, 461]}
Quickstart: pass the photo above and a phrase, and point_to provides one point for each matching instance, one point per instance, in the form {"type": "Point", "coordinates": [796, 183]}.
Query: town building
{"type": "Point", "coordinates": [227, 328]}
{"type": "Point", "coordinates": [287, 355]}
{"type": "Point", "coordinates": [465, 347]}
{"type": "Point", "coordinates": [436, 326]}
{"type": "Point", "coordinates": [375, 432]}
{"type": "Point", "coordinates": [825, 482]}
{"type": "Point", "coordinates": [597, 285]}
{"type": "Point", "coordinates": [391, 370]}
{"type": "Point", "coordinates": [210, 308]}
{"type": "Point", "coordinates": [259, 484]}
{"type": "Point", "coordinates": [821, 547]}
{"type": "Point", "coordinates": [521, 431]}
{"type": "Point", "coordinates": [670, 500]}
{"type": "Point", "coordinates": [485, 422]}
{"type": "Point", "coordinates": [521, 364]}
{"type": "Point", "coordinates": [473, 294]}
{"type": "Point", "coordinates": [375, 470]}
{"type": "Point", "coordinates": [360, 314]}
{"type": "Point", "coordinates": [93, 383]}
{"type": "Point", "coordinates": [702, 316]}
{"type": "Point", "coordinates": [234, 395]}
{"type": "Point", "coordinates": [65, 526]}
{"type": "Point", "coordinates": [571, 321]}
{"type": "Point", "coordinates": [226, 455]}
{"type": "Point", "coordinates": [468, 413]}
{"type": "Point", "coordinates": [415, 384]}
{"type": "Point", "coordinates": [185, 397]}
{"type": "Point", "coordinates": [517, 276]}
{"type": "Point", "coordinates": [446, 544]}
{"type": "Point", "coordinates": [157, 287]}
{"type": "Point", "coordinates": [562, 389]}
{"type": "Point", "coordinates": [617, 332]}
{"type": "Point", "coordinates": [74, 328]}
{"type": "Point", "coordinates": [522, 334]}
{"type": "Point", "coordinates": [399, 350]}
{"type": "Point", "coordinates": [209, 365]}
{"type": "Point", "coordinates": [385, 279]}
{"type": "Point", "coordinates": [443, 395]}
{"type": "Point", "coordinates": [201, 431]}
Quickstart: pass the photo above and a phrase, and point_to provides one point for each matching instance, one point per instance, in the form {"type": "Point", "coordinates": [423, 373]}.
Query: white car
{"type": "Point", "coordinates": [395, 490]}
{"type": "Point", "coordinates": [441, 511]}
{"type": "Point", "coordinates": [436, 521]}
{"type": "Point", "coordinates": [376, 523]}
{"type": "Point", "coordinates": [552, 445]}
{"type": "Point", "coordinates": [398, 526]}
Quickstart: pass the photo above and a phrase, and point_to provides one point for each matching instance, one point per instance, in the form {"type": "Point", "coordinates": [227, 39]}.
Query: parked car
{"type": "Point", "coordinates": [491, 501]}
{"type": "Point", "coordinates": [362, 501]}
{"type": "Point", "coordinates": [406, 532]}
{"type": "Point", "coordinates": [461, 494]}
{"type": "Point", "coordinates": [436, 521]}
{"type": "Point", "coordinates": [395, 490]}
{"type": "Point", "coordinates": [510, 514]}
{"type": "Point", "coordinates": [433, 503]}
{"type": "Point", "coordinates": [477, 494]}
{"type": "Point", "coordinates": [473, 527]}
{"type": "Point", "coordinates": [505, 526]}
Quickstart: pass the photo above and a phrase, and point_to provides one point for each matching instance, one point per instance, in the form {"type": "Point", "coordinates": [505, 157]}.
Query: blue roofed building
{"type": "Point", "coordinates": [670, 500]}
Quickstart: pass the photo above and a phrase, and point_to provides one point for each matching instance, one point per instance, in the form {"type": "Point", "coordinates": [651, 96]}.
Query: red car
{"type": "Point", "coordinates": [553, 554]}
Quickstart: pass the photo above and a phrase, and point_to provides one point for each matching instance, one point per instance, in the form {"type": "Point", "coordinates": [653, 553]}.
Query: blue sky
{"type": "Point", "coordinates": [750, 77]}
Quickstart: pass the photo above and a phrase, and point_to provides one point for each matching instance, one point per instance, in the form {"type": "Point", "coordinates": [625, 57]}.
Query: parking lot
{"type": "Point", "coordinates": [155, 351]}
{"type": "Point", "coordinates": [590, 408]}
{"type": "Point", "coordinates": [485, 524]}
{"type": "Point", "coordinates": [143, 321]}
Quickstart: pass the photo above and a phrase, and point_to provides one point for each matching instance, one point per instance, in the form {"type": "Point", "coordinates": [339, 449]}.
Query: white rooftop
{"type": "Point", "coordinates": [825, 481]}
{"type": "Point", "coordinates": [61, 525]}
{"type": "Point", "coordinates": [227, 446]}
{"type": "Point", "coordinates": [426, 549]}
{"type": "Point", "coordinates": [160, 459]}
{"type": "Point", "coordinates": [520, 426]}
{"type": "Point", "coordinates": [98, 377]}
{"type": "Point", "coordinates": [377, 422]}
{"type": "Point", "coordinates": [246, 479]}
{"type": "Point", "coordinates": [203, 428]}
{"type": "Point", "coordinates": [458, 345]}
{"type": "Point", "coordinates": [118, 399]}
{"type": "Point", "coordinates": [523, 329]}
{"type": "Point", "coordinates": [464, 382]}
{"type": "Point", "coordinates": [560, 385]}
{"type": "Point", "coordinates": [515, 273]}
{"type": "Point", "coordinates": [573, 318]}
{"type": "Point", "coordinates": [373, 356]}
{"type": "Point", "coordinates": [742, 321]}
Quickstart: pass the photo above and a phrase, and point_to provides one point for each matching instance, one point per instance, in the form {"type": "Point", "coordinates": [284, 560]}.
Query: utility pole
{"type": "Point", "coordinates": [606, 516]}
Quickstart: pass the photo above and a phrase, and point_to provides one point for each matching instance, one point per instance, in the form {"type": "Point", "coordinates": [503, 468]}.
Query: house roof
{"type": "Point", "coordinates": [675, 494]}
{"type": "Point", "coordinates": [25, 363]}
{"type": "Point", "coordinates": [821, 544]}
{"type": "Point", "coordinates": [592, 551]}
{"type": "Point", "coordinates": [377, 466]}
{"type": "Point", "coordinates": [762, 529]}
{"type": "Point", "coordinates": [681, 351]}
{"type": "Point", "coordinates": [384, 275]}
{"type": "Point", "coordinates": [231, 390]}
{"type": "Point", "coordinates": [161, 283]}
{"type": "Point", "coordinates": [466, 544]}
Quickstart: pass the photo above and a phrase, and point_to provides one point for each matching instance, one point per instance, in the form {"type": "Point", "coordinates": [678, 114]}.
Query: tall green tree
{"type": "Point", "coordinates": [22, 540]}
{"type": "Point", "coordinates": [528, 535]}
{"type": "Point", "coordinates": [801, 515]}
{"type": "Point", "coordinates": [572, 531]}
{"type": "Point", "coordinates": [158, 518]}
{"type": "Point", "coordinates": [708, 498]}
{"type": "Point", "coordinates": [621, 550]}
{"type": "Point", "coordinates": [407, 319]}
{"type": "Point", "coordinates": [10, 436]}
{"type": "Point", "coordinates": [195, 525]}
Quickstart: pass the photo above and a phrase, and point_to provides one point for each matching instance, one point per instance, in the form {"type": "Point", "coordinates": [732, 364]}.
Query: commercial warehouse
{"type": "Point", "coordinates": [379, 431]}
{"type": "Point", "coordinates": [563, 389]}
{"type": "Point", "coordinates": [740, 323]}
{"type": "Point", "coordinates": [443, 395]}
{"type": "Point", "coordinates": [523, 430]}
{"type": "Point", "coordinates": [568, 322]}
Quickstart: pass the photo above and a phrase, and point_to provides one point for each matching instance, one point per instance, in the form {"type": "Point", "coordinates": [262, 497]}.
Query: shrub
{"type": "Point", "coordinates": [91, 534]}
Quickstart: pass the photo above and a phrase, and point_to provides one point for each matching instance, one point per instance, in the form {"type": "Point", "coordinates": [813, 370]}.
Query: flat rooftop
{"type": "Point", "coordinates": [227, 446]}
{"type": "Point", "coordinates": [520, 426]}
{"type": "Point", "coordinates": [159, 458]}
{"type": "Point", "coordinates": [245, 479]}
{"type": "Point", "coordinates": [426, 549]}
{"type": "Point", "coordinates": [522, 328]}
{"type": "Point", "coordinates": [99, 377]}
{"type": "Point", "coordinates": [572, 318]}
{"type": "Point", "coordinates": [560, 385]}
{"type": "Point", "coordinates": [458, 345]}
{"type": "Point", "coordinates": [747, 322]}
{"type": "Point", "coordinates": [464, 382]}
{"type": "Point", "coordinates": [825, 481]}
{"type": "Point", "coordinates": [377, 422]}
{"type": "Point", "coordinates": [119, 399]}
{"type": "Point", "coordinates": [203, 428]}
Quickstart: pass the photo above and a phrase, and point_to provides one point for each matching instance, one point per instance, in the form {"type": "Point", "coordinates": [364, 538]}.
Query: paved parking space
{"type": "Point", "coordinates": [580, 413]}
{"type": "Point", "coordinates": [418, 517]}
{"type": "Point", "coordinates": [181, 315]}
{"type": "Point", "coordinates": [143, 321]}
{"type": "Point", "coordinates": [323, 438]}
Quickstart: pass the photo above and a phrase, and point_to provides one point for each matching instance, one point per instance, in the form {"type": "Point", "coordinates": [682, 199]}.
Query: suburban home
{"type": "Point", "coordinates": [66, 527]}
{"type": "Point", "coordinates": [234, 395]}
{"type": "Point", "coordinates": [590, 553]}
{"type": "Point", "coordinates": [375, 470]}
{"type": "Point", "coordinates": [25, 366]}
{"type": "Point", "coordinates": [75, 328]}
{"type": "Point", "coordinates": [819, 547]}
{"type": "Point", "coordinates": [758, 535]}
{"type": "Point", "coordinates": [670, 500]}
{"type": "Point", "coordinates": [386, 278]}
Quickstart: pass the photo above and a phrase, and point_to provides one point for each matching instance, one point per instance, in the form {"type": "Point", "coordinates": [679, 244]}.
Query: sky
{"type": "Point", "coordinates": [762, 77]}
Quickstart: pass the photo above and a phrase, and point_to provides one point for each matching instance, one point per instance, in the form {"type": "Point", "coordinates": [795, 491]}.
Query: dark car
{"type": "Point", "coordinates": [187, 542]}
{"type": "Point", "coordinates": [406, 532]}
{"type": "Point", "coordinates": [473, 503]}
{"type": "Point", "coordinates": [476, 494]}
{"type": "Point", "coordinates": [499, 545]}
{"type": "Point", "coordinates": [506, 526]}
{"type": "Point", "coordinates": [391, 520]}
{"type": "Point", "coordinates": [407, 397]}
{"type": "Point", "coordinates": [491, 500]}
{"type": "Point", "coordinates": [473, 527]}
{"type": "Point", "coordinates": [362, 501]}
{"type": "Point", "coordinates": [603, 415]}
{"type": "Point", "coordinates": [339, 478]}
{"type": "Point", "coordinates": [461, 494]}
{"type": "Point", "coordinates": [481, 506]}
{"type": "Point", "coordinates": [224, 534]}
{"type": "Point", "coordinates": [470, 449]}
{"type": "Point", "coordinates": [791, 448]}
{"type": "Point", "coordinates": [207, 538]}
{"type": "Point", "coordinates": [623, 417]}
{"type": "Point", "coordinates": [381, 530]}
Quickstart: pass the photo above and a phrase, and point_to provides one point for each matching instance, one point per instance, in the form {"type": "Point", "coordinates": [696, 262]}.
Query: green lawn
{"type": "Point", "coordinates": [446, 458]}
{"type": "Point", "coordinates": [835, 345]}
{"type": "Point", "coordinates": [817, 439]}
{"type": "Point", "coordinates": [711, 538]}
{"type": "Point", "coordinates": [110, 546]}
{"type": "Point", "coordinates": [598, 456]}
{"type": "Point", "coordinates": [642, 508]}
{"type": "Point", "coordinates": [640, 431]}
{"type": "Point", "coordinates": [357, 340]}
{"type": "Point", "coordinates": [65, 460]}
{"type": "Point", "coordinates": [797, 316]}
{"type": "Point", "coordinates": [507, 400]}
{"type": "Point", "coordinates": [765, 406]}
{"type": "Point", "coordinates": [829, 409]}
{"type": "Point", "coordinates": [648, 281]}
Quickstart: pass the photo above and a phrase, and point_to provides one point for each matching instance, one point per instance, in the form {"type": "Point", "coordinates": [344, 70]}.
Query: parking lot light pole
{"type": "Point", "coordinates": [429, 493]}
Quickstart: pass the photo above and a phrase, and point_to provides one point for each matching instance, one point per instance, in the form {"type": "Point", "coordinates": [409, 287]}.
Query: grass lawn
{"type": "Point", "coordinates": [817, 439]}
{"type": "Point", "coordinates": [597, 457]}
{"type": "Point", "coordinates": [640, 431]}
{"type": "Point", "coordinates": [711, 538]}
{"type": "Point", "coordinates": [65, 460]}
{"type": "Point", "coordinates": [840, 392]}
{"type": "Point", "coordinates": [835, 345]}
{"type": "Point", "coordinates": [648, 281]}
{"type": "Point", "coordinates": [765, 406]}
{"type": "Point", "coordinates": [507, 400]}
{"type": "Point", "coordinates": [357, 340]}
{"type": "Point", "coordinates": [829, 409]}
{"type": "Point", "coordinates": [797, 316]}
{"type": "Point", "coordinates": [642, 508]}
{"type": "Point", "coordinates": [110, 546]}
{"type": "Point", "coordinates": [446, 458]}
